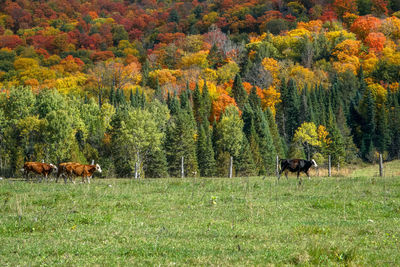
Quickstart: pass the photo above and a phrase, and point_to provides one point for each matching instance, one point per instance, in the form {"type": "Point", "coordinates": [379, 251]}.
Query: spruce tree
{"type": "Point", "coordinates": [111, 98]}
{"type": "Point", "coordinates": [394, 126]}
{"type": "Point", "coordinates": [158, 92]}
{"type": "Point", "coordinates": [349, 146]}
{"type": "Point", "coordinates": [273, 128]}
{"type": "Point", "coordinates": [255, 150]}
{"type": "Point", "coordinates": [205, 153]}
{"type": "Point", "coordinates": [156, 164]}
{"type": "Point", "coordinates": [381, 131]}
{"type": "Point", "coordinates": [197, 103]}
{"type": "Point", "coordinates": [266, 145]}
{"type": "Point", "coordinates": [244, 163]}
{"type": "Point", "coordinates": [117, 98]}
{"type": "Point", "coordinates": [254, 99]}
{"type": "Point", "coordinates": [206, 102]}
{"type": "Point", "coordinates": [173, 105]}
{"type": "Point", "coordinates": [180, 141]}
{"type": "Point", "coordinates": [145, 72]}
{"type": "Point", "coordinates": [238, 92]}
{"type": "Point", "coordinates": [142, 100]}
{"type": "Point", "coordinates": [368, 127]}
{"type": "Point", "coordinates": [215, 57]}
{"type": "Point", "coordinates": [291, 109]}
{"type": "Point", "coordinates": [132, 98]}
{"type": "Point", "coordinates": [304, 109]}
{"type": "Point", "coordinates": [336, 148]}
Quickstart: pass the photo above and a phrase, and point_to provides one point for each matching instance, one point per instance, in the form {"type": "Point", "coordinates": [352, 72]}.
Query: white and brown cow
{"type": "Point", "coordinates": [39, 168]}
{"type": "Point", "coordinates": [84, 171]}
{"type": "Point", "coordinates": [62, 171]}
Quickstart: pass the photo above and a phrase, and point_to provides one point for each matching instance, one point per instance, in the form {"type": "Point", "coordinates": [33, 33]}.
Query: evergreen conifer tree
{"type": "Point", "coordinates": [394, 126]}
{"type": "Point", "coordinates": [205, 152]}
{"type": "Point", "coordinates": [206, 102]}
{"type": "Point", "coordinates": [158, 92]}
{"type": "Point", "coordinates": [145, 72]}
{"type": "Point", "coordinates": [368, 127]}
{"type": "Point", "coordinates": [180, 141]}
{"type": "Point", "coordinates": [255, 150]}
{"type": "Point", "coordinates": [266, 145]}
{"type": "Point", "coordinates": [277, 140]}
{"type": "Point", "coordinates": [215, 57]}
{"type": "Point", "coordinates": [254, 99]}
{"type": "Point", "coordinates": [336, 148]}
{"type": "Point", "coordinates": [156, 164]}
{"type": "Point", "coordinates": [197, 103]}
{"type": "Point", "coordinates": [111, 98]}
{"type": "Point", "coordinates": [132, 98]}
{"type": "Point", "coordinates": [291, 109]}
{"type": "Point", "coordinates": [244, 163]}
{"type": "Point", "coordinates": [238, 92]}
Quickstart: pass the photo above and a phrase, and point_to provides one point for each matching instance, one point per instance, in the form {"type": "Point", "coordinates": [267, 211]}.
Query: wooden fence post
{"type": "Point", "coordinates": [277, 165]}
{"type": "Point", "coordinates": [182, 168]}
{"type": "Point", "coordinates": [380, 165]}
{"type": "Point", "coordinates": [230, 167]}
{"type": "Point", "coordinates": [329, 166]}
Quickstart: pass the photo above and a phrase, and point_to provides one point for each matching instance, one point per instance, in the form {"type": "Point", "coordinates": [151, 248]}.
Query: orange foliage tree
{"type": "Point", "coordinates": [364, 25]}
{"type": "Point", "coordinates": [375, 41]}
{"type": "Point", "coordinates": [343, 6]}
{"type": "Point", "coordinates": [220, 104]}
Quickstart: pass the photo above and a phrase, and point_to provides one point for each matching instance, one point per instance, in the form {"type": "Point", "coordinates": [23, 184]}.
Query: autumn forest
{"type": "Point", "coordinates": [143, 83]}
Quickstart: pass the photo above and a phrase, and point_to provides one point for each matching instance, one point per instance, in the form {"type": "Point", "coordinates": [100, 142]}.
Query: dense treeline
{"type": "Point", "coordinates": [157, 134]}
{"type": "Point", "coordinates": [144, 83]}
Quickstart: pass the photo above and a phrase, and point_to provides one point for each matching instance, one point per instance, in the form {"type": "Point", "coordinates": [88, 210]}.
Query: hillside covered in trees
{"type": "Point", "coordinates": [147, 82]}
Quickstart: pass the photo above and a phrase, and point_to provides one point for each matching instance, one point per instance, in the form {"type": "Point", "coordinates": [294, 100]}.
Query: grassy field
{"type": "Point", "coordinates": [240, 221]}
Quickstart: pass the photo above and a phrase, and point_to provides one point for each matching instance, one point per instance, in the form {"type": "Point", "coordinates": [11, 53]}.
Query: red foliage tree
{"type": "Point", "coordinates": [364, 25]}
{"type": "Point", "coordinates": [102, 55]}
{"type": "Point", "coordinates": [375, 41]}
{"type": "Point", "coordinates": [10, 41]}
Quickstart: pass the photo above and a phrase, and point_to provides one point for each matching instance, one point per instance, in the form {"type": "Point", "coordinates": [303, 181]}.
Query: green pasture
{"type": "Point", "coordinates": [350, 220]}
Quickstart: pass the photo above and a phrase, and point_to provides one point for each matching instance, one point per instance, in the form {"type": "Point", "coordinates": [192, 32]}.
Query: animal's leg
{"type": "Point", "coordinates": [286, 175]}
{"type": "Point", "coordinates": [308, 175]}
{"type": "Point", "coordinates": [88, 179]}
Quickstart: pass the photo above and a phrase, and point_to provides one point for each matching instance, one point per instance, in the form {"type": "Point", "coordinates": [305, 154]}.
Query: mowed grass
{"type": "Point", "coordinates": [193, 221]}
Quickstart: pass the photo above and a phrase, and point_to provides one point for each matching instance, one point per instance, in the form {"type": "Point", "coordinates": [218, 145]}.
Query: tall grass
{"type": "Point", "coordinates": [241, 221]}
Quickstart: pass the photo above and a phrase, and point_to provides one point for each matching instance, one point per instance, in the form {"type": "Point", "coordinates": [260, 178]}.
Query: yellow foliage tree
{"type": "Point", "coordinates": [165, 76]}
{"type": "Point", "coordinates": [227, 72]}
{"type": "Point", "coordinates": [269, 98]}
{"type": "Point", "coordinates": [273, 67]}
{"type": "Point", "coordinates": [307, 136]}
{"type": "Point", "coordinates": [198, 59]}
{"type": "Point", "coordinates": [71, 84]}
{"type": "Point", "coordinates": [302, 77]}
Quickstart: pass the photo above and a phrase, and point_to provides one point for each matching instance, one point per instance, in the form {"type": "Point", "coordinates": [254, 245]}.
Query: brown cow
{"type": "Point", "coordinates": [39, 168]}
{"type": "Point", "coordinates": [62, 171]}
{"type": "Point", "coordinates": [86, 171]}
